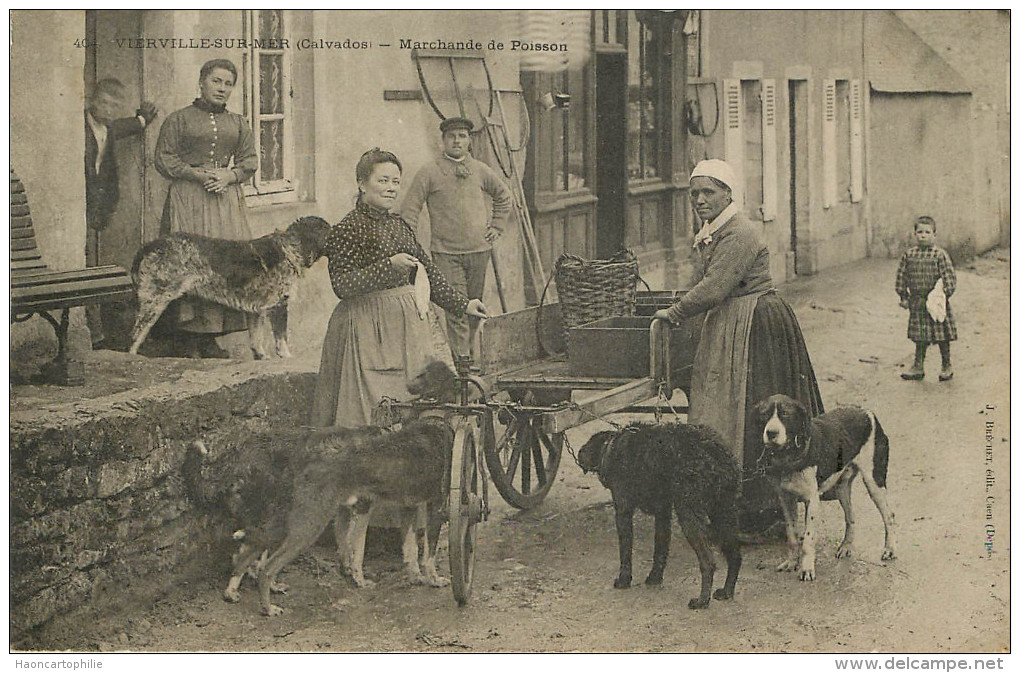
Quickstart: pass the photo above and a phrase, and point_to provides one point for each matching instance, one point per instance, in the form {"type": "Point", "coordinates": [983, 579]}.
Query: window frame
{"type": "Point", "coordinates": [285, 186]}
{"type": "Point", "coordinates": [662, 103]}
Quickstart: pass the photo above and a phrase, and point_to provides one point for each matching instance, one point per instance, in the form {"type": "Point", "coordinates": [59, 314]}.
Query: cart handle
{"type": "Point", "coordinates": [659, 335]}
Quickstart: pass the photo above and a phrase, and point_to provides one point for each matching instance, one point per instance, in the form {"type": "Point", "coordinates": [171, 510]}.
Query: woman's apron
{"type": "Point", "coordinates": [719, 377]}
{"type": "Point", "coordinates": [373, 343]}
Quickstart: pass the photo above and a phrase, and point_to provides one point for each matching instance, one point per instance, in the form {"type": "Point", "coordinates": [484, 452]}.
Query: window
{"type": "Point", "coordinates": [608, 27]}
{"type": "Point", "coordinates": [647, 46]}
{"type": "Point", "coordinates": [268, 99]}
{"type": "Point", "coordinates": [562, 162]}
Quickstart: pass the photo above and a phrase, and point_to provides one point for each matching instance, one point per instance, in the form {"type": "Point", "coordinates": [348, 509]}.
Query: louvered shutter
{"type": "Point", "coordinates": [734, 131]}
{"type": "Point", "coordinates": [856, 141]}
{"type": "Point", "coordinates": [768, 149]}
{"type": "Point", "coordinates": [829, 143]}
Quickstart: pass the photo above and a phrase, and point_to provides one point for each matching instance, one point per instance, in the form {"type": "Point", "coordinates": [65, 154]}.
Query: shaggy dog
{"type": "Point", "coordinates": [251, 276]}
{"type": "Point", "coordinates": [660, 468]}
{"type": "Point", "coordinates": [808, 459]}
{"type": "Point", "coordinates": [360, 469]}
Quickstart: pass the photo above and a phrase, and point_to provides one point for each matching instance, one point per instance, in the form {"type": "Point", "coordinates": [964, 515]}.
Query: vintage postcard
{"type": "Point", "coordinates": [474, 287]}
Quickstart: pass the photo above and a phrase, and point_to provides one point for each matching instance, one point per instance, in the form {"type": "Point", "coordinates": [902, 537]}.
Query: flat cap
{"type": "Point", "coordinates": [455, 123]}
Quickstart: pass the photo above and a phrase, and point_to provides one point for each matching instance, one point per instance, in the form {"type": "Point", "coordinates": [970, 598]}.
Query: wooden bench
{"type": "Point", "coordinates": [37, 290]}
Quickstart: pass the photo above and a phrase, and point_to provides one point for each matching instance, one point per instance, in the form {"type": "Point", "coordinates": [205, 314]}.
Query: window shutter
{"type": "Point", "coordinates": [768, 149]}
{"type": "Point", "coordinates": [829, 143]}
{"type": "Point", "coordinates": [856, 142]}
{"type": "Point", "coordinates": [734, 130]}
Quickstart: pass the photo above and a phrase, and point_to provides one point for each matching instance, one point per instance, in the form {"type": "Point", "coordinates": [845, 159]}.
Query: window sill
{"type": "Point", "coordinates": [272, 199]}
{"type": "Point", "coordinates": [551, 201]}
{"type": "Point", "coordinates": [640, 188]}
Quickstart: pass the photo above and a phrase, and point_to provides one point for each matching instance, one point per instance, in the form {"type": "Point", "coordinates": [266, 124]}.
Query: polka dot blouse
{"type": "Point", "coordinates": [359, 250]}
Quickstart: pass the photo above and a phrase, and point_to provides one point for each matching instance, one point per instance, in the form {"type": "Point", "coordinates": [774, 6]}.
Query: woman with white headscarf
{"type": "Point", "coordinates": [751, 344]}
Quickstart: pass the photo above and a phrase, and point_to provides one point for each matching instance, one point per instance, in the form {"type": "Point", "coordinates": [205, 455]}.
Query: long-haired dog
{"type": "Point", "coordinates": [664, 468]}
{"type": "Point", "coordinates": [816, 459]}
{"type": "Point", "coordinates": [251, 276]}
{"type": "Point", "coordinates": [360, 469]}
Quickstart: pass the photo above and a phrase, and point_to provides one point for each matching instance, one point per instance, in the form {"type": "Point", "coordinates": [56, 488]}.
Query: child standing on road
{"type": "Point", "coordinates": [921, 267]}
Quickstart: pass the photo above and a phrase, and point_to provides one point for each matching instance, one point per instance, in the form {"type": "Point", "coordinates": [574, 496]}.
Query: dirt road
{"type": "Point", "coordinates": [544, 577]}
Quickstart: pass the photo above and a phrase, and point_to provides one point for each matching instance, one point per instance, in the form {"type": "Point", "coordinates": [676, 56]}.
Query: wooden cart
{"type": "Point", "coordinates": [526, 403]}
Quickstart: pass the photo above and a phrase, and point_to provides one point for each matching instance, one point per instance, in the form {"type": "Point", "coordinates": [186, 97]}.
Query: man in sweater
{"type": "Point", "coordinates": [467, 202]}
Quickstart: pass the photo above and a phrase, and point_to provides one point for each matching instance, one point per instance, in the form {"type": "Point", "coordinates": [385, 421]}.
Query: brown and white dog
{"type": "Point", "coordinates": [251, 276]}
{"type": "Point", "coordinates": [360, 468]}
{"type": "Point", "coordinates": [817, 459]}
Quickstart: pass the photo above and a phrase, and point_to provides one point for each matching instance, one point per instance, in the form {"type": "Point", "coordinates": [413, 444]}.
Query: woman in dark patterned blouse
{"type": "Point", "coordinates": [751, 345]}
{"type": "Point", "coordinates": [377, 334]}
{"type": "Point", "coordinates": [207, 153]}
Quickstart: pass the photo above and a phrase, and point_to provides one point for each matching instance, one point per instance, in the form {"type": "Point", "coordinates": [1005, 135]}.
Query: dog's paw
{"type": "Point", "coordinates": [622, 582]}
{"type": "Point", "coordinates": [845, 550]}
{"type": "Point", "coordinates": [807, 573]}
{"type": "Point", "coordinates": [282, 349]}
{"type": "Point", "coordinates": [279, 588]}
{"type": "Point", "coordinates": [723, 594]}
{"type": "Point", "coordinates": [232, 596]}
{"type": "Point", "coordinates": [416, 579]}
{"type": "Point", "coordinates": [654, 578]}
{"type": "Point", "coordinates": [698, 603]}
{"type": "Point", "coordinates": [272, 611]}
{"type": "Point", "coordinates": [789, 565]}
{"type": "Point", "coordinates": [362, 582]}
{"type": "Point", "coordinates": [258, 354]}
{"type": "Point", "coordinates": [439, 582]}
{"type": "Point", "coordinates": [888, 554]}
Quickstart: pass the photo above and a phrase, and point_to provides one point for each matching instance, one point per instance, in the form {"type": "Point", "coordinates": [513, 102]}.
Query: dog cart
{"type": "Point", "coordinates": [528, 400]}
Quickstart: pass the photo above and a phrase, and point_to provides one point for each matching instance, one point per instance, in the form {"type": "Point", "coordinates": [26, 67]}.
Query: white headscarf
{"type": "Point", "coordinates": [724, 173]}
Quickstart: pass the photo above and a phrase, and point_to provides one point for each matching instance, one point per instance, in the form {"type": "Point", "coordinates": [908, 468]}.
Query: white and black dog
{"type": "Point", "coordinates": [807, 458]}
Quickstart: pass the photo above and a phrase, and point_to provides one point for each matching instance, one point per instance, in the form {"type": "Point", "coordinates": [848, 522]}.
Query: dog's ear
{"type": "Point", "coordinates": [763, 408]}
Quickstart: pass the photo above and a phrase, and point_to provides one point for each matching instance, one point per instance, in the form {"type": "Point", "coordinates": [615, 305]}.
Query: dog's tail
{"type": "Point", "coordinates": [881, 462]}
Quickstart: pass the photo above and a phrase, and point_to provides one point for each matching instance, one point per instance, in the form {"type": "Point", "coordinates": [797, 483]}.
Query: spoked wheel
{"type": "Point", "coordinates": [466, 506]}
{"type": "Point", "coordinates": [523, 462]}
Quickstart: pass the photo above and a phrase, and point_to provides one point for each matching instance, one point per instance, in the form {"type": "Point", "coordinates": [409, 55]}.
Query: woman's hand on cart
{"type": "Point", "coordinates": [662, 314]}
{"type": "Point", "coordinates": [477, 309]}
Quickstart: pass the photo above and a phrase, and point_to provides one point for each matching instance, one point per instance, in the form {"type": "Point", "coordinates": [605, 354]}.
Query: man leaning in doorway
{"type": "Point", "coordinates": [467, 204]}
{"type": "Point", "coordinates": [101, 187]}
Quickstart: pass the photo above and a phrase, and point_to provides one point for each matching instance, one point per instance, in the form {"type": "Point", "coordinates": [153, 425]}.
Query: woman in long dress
{"type": "Point", "coordinates": [378, 335]}
{"type": "Point", "coordinates": [207, 153]}
{"type": "Point", "coordinates": [751, 344]}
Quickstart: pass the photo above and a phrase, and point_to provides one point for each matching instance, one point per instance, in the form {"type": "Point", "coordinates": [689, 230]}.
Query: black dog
{"type": "Point", "coordinates": [659, 468]}
{"type": "Point", "coordinates": [808, 459]}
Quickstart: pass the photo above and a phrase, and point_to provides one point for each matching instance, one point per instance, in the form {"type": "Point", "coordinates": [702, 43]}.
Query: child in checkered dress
{"type": "Point", "coordinates": [921, 267]}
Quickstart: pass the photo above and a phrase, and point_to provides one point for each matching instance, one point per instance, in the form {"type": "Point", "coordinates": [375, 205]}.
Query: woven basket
{"type": "Point", "coordinates": [593, 289]}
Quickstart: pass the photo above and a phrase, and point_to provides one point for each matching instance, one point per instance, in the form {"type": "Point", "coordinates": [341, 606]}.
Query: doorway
{"type": "Point", "coordinates": [611, 148]}
{"type": "Point", "coordinates": [799, 203]}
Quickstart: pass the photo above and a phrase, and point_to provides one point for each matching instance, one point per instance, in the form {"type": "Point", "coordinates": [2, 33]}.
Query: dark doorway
{"type": "Point", "coordinates": [611, 158]}
{"type": "Point", "coordinates": [798, 164]}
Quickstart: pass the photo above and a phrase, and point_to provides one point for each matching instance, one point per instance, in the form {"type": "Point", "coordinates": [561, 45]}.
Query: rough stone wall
{"type": "Point", "coordinates": [98, 505]}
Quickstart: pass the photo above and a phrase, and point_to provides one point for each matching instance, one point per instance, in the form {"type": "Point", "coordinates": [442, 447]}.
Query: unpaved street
{"type": "Point", "coordinates": [543, 580]}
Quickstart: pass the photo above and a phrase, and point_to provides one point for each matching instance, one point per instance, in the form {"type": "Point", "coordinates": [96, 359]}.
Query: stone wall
{"type": "Point", "coordinates": [99, 511]}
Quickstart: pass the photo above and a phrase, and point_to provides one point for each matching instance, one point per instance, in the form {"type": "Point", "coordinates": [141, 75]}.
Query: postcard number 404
{"type": "Point", "coordinates": [84, 43]}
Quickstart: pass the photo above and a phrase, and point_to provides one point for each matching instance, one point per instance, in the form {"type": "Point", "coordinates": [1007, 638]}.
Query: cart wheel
{"type": "Point", "coordinates": [524, 461]}
{"type": "Point", "coordinates": [465, 507]}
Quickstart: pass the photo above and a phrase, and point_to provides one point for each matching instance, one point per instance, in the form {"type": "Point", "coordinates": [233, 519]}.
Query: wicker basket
{"type": "Point", "coordinates": [593, 289]}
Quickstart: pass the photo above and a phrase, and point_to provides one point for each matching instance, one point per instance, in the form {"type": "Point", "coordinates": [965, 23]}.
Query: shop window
{"type": "Point", "coordinates": [562, 153]}
{"type": "Point", "coordinates": [268, 102]}
{"type": "Point", "coordinates": [648, 65]}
